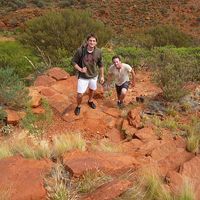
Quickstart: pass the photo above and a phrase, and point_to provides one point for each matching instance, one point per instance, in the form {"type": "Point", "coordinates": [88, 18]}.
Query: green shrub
{"type": "Point", "coordinates": [133, 56]}
{"type": "Point", "coordinates": [169, 35]}
{"type": "Point", "coordinates": [3, 115]}
{"type": "Point", "coordinates": [172, 70]}
{"type": "Point", "coordinates": [36, 123]}
{"type": "Point", "coordinates": [13, 55]}
{"type": "Point", "coordinates": [12, 91]}
{"type": "Point", "coordinates": [14, 4]}
{"type": "Point", "coordinates": [58, 34]}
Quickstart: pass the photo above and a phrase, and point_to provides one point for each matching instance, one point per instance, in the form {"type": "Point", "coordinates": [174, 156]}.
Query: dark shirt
{"type": "Point", "coordinates": [92, 61]}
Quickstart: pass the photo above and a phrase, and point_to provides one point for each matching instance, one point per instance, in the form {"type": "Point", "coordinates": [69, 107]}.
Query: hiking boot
{"type": "Point", "coordinates": [77, 110]}
{"type": "Point", "coordinates": [120, 104]}
{"type": "Point", "coordinates": [91, 104]}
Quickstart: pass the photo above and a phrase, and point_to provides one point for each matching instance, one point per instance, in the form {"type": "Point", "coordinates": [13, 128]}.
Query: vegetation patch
{"type": "Point", "coordinates": [91, 180]}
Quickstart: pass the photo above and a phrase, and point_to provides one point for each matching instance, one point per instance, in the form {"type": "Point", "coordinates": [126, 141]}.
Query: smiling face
{"type": "Point", "coordinates": [117, 63]}
{"type": "Point", "coordinates": [91, 43]}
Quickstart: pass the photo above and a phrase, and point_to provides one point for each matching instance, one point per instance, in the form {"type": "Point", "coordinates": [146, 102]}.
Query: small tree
{"type": "Point", "coordinates": [58, 34]}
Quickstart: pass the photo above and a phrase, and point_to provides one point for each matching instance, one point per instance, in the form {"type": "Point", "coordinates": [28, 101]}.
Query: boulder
{"type": "Point", "coordinates": [44, 80]}
{"type": "Point", "coordinates": [79, 162]}
{"type": "Point", "coordinates": [24, 178]}
{"type": "Point", "coordinates": [174, 161]}
{"type": "Point", "coordinates": [114, 135]}
{"type": "Point", "coordinates": [35, 97]}
{"type": "Point", "coordinates": [109, 190]}
{"type": "Point", "coordinates": [146, 134]}
{"type": "Point", "coordinates": [134, 118]}
{"type": "Point", "coordinates": [58, 73]}
{"type": "Point", "coordinates": [13, 117]}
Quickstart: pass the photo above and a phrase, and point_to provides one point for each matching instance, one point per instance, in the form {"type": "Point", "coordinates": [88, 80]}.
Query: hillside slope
{"type": "Point", "coordinates": [125, 16]}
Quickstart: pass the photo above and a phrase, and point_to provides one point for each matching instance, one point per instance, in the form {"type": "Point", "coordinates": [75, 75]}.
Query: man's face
{"type": "Point", "coordinates": [92, 42]}
{"type": "Point", "coordinates": [117, 63]}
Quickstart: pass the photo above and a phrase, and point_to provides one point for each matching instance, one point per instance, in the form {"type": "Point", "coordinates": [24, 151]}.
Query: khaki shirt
{"type": "Point", "coordinates": [122, 75]}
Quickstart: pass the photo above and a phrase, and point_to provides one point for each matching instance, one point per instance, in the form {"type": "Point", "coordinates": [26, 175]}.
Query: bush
{"type": "Point", "coordinates": [14, 4]}
{"type": "Point", "coordinates": [3, 115]}
{"type": "Point", "coordinates": [173, 70]}
{"type": "Point", "coordinates": [133, 56]}
{"type": "Point", "coordinates": [12, 91]}
{"type": "Point", "coordinates": [58, 34]}
{"type": "Point", "coordinates": [35, 124]}
{"type": "Point", "coordinates": [14, 56]}
{"type": "Point", "coordinates": [169, 35]}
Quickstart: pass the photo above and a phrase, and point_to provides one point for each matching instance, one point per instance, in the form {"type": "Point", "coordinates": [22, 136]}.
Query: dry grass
{"type": "Point", "coordinates": [58, 184]}
{"type": "Point", "coordinates": [5, 193]}
{"type": "Point", "coordinates": [66, 142]}
{"type": "Point", "coordinates": [106, 145]}
{"type": "Point", "coordinates": [91, 180]}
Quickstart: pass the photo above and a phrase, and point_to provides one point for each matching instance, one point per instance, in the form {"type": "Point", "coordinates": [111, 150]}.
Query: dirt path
{"type": "Point", "coordinates": [93, 124]}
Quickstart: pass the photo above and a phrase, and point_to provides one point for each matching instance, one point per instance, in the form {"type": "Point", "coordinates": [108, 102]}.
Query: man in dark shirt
{"type": "Point", "coordinates": [88, 61]}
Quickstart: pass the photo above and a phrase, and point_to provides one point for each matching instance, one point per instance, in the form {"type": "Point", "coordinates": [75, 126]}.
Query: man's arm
{"type": "Point", "coordinates": [133, 77]}
{"type": "Point", "coordinates": [75, 61]}
{"type": "Point", "coordinates": [102, 75]}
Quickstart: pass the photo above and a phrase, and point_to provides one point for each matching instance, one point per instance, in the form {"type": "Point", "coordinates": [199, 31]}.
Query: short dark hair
{"type": "Point", "coordinates": [91, 35]}
{"type": "Point", "coordinates": [116, 56]}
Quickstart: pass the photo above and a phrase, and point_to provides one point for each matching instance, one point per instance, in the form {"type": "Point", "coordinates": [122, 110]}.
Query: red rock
{"type": "Point", "coordinates": [180, 142]}
{"type": "Point", "coordinates": [80, 162]}
{"type": "Point", "coordinates": [44, 80]}
{"type": "Point", "coordinates": [191, 169]}
{"type": "Point", "coordinates": [147, 147]}
{"type": "Point", "coordinates": [175, 181]}
{"type": "Point", "coordinates": [38, 110]}
{"type": "Point", "coordinates": [173, 161]}
{"type": "Point", "coordinates": [35, 97]}
{"type": "Point", "coordinates": [164, 150]}
{"type": "Point", "coordinates": [66, 87]}
{"type": "Point", "coordinates": [59, 102]}
{"type": "Point", "coordinates": [146, 134]}
{"type": "Point", "coordinates": [47, 91]}
{"type": "Point", "coordinates": [58, 73]}
{"type": "Point", "coordinates": [114, 135]}
{"type": "Point", "coordinates": [134, 118]}
{"type": "Point", "coordinates": [24, 177]}
{"type": "Point", "coordinates": [13, 117]}
{"type": "Point", "coordinates": [128, 130]}
{"type": "Point", "coordinates": [109, 191]}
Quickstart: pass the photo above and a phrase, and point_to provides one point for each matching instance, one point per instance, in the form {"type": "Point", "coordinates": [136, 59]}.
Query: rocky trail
{"type": "Point", "coordinates": [138, 145]}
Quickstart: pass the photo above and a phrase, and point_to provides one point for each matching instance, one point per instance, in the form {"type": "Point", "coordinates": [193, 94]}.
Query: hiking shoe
{"type": "Point", "coordinates": [91, 104]}
{"type": "Point", "coordinates": [77, 110]}
{"type": "Point", "coordinates": [120, 104]}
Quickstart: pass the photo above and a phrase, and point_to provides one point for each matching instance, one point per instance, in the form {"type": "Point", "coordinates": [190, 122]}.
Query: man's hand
{"type": "Point", "coordinates": [102, 80]}
{"type": "Point", "coordinates": [84, 70]}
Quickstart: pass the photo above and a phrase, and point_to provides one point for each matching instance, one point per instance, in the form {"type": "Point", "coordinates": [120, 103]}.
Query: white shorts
{"type": "Point", "coordinates": [83, 84]}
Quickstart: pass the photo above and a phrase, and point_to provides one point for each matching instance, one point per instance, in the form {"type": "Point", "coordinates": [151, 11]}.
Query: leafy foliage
{"type": "Point", "coordinates": [14, 56]}
{"type": "Point", "coordinates": [36, 124]}
{"type": "Point", "coordinates": [12, 90]}
{"type": "Point", "coordinates": [173, 70]}
{"type": "Point", "coordinates": [58, 34]}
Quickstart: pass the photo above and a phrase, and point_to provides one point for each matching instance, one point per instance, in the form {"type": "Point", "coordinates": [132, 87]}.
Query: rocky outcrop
{"type": "Point", "coordinates": [24, 178]}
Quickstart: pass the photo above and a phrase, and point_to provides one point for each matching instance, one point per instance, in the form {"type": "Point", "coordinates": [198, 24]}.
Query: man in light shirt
{"type": "Point", "coordinates": [120, 71]}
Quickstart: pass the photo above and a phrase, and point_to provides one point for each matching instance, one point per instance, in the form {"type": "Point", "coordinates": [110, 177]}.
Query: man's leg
{"type": "Point", "coordinates": [122, 95]}
{"type": "Point", "coordinates": [81, 88]}
{"type": "Point", "coordinates": [91, 95]}
{"type": "Point", "coordinates": [92, 88]}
